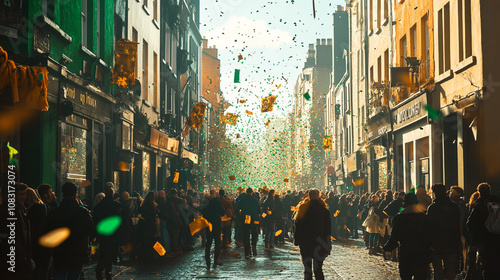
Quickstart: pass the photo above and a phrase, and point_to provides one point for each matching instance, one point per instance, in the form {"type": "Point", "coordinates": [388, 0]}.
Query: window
{"type": "Point", "coordinates": [386, 9]}
{"type": "Point", "coordinates": [145, 69]}
{"type": "Point", "coordinates": [464, 29]}
{"type": "Point", "coordinates": [447, 37]}
{"type": "Point", "coordinates": [155, 10]}
{"type": "Point", "coordinates": [48, 8]}
{"type": "Point", "coordinates": [425, 50]}
{"type": "Point", "coordinates": [402, 47]}
{"type": "Point", "coordinates": [386, 65]}
{"type": "Point", "coordinates": [371, 75]}
{"type": "Point", "coordinates": [135, 39]}
{"type": "Point", "coordinates": [98, 28]}
{"type": "Point", "coordinates": [146, 3]}
{"type": "Point", "coordinates": [126, 136]}
{"type": "Point", "coordinates": [145, 171]}
{"type": "Point", "coordinates": [379, 69]}
{"type": "Point", "coordinates": [413, 41]}
{"type": "Point", "coordinates": [155, 79]}
{"type": "Point", "coordinates": [444, 38]}
{"type": "Point", "coordinates": [84, 23]}
{"type": "Point", "coordinates": [379, 6]}
{"type": "Point", "coordinates": [371, 14]}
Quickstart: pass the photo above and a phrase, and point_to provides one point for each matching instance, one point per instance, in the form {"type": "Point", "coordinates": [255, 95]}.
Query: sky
{"type": "Point", "coordinates": [273, 38]}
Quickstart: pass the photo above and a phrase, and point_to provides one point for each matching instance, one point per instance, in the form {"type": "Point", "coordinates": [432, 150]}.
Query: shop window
{"type": "Point", "coordinates": [146, 171]}
{"type": "Point", "coordinates": [74, 156]}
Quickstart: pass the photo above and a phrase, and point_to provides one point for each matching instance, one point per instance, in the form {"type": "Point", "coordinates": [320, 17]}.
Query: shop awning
{"type": "Point", "coordinates": [26, 84]}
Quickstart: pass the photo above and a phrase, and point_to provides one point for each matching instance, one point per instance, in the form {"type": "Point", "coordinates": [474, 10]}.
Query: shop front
{"type": "Point", "coordinates": [353, 181]}
{"type": "Point", "coordinates": [124, 152]}
{"type": "Point", "coordinates": [379, 134]}
{"type": "Point", "coordinates": [417, 143]}
{"type": "Point", "coordinates": [154, 161]}
{"type": "Point", "coordinates": [83, 138]}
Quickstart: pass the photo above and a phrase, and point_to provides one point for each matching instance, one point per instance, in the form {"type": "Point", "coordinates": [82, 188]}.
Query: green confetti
{"type": "Point", "coordinates": [109, 225]}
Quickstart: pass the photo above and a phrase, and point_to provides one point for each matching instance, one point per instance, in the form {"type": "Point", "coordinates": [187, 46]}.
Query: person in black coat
{"type": "Point", "coordinates": [445, 216]}
{"type": "Point", "coordinates": [312, 234]}
{"type": "Point", "coordinates": [108, 244]}
{"type": "Point", "coordinates": [488, 243]}
{"type": "Point", "coordinates": [212, 210]}
{"type": "Point", "coordinates": [70, 256]}
{"type": "Point", "coordinates": [269, 207]}
{"type": "Point", "coordinates": [249, 210]}
{"type": "Point", "coordinates": [412, 231]}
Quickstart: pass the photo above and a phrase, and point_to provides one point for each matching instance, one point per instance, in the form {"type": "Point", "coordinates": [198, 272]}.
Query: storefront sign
{"type": "Point", "coordinates": [380, 152]}
{"type": "Point", "coordinates": [353, 162]}
{"type": "Point", "coordinates": [158, 140]}
{"type": "Point", "coordinates": [173, 146]}
{"type": "Point", "coordinates": [88, 100]}
{"type": "Point", "coordinates": [378, 127]}
{"type": "Point", "coordinates": [192, 156]}
{"type": "Point", "coordinates": [409, 112]}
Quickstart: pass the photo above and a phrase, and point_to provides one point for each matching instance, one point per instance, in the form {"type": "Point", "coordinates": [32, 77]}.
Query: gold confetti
{"type": "Point", "coordinates": [55, 237]}
{"type": "Point", "coordinates": [159, 249]}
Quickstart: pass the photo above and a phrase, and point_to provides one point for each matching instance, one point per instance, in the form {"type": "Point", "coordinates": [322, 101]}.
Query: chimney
{"type": "Point", "coordinates": [318, 41]}
{"type": "Point", "coordinates": [205, 43]}
{"type": "Point", "coordinates": [323, 41]}
{"type": "Point", "coordinates": [329, 42]}
{"type": "Point", "coordinates": [340, 8]}
{"type": "Point", "coordinates": [311, 46]}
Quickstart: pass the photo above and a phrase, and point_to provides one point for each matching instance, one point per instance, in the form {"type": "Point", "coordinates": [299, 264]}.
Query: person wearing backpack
{"type": "Point", "coordinates": [480, 224]}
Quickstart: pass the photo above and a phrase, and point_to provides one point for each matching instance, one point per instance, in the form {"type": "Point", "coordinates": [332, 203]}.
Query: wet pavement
{"type": "Point", "coordinates": [348, 260]}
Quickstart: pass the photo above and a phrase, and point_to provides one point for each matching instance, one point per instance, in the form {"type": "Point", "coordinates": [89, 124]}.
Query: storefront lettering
{"type": "Point", "coordinates": [408, 113]}
{"type": "Point", "coordinates": [383, 130]}
{"type": "Point", "coordinates": [87, 99]}
{"type": "Point", "coordinates": [83, 98]}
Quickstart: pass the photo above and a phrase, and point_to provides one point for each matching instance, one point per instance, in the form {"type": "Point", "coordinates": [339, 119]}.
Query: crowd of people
{"type": "Point", "coordinates": [412, 228]}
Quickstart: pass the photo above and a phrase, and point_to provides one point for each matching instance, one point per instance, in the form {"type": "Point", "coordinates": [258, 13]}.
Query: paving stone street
{"type": "Point", "coordinates": [348, 260]}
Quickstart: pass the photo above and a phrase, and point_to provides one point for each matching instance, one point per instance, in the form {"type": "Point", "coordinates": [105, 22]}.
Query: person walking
{"type": "Point", "coordinates": [226, 224]}
{"type": "Point", "coordinates": [70, 256]}
{"type": "Point", "coordinates": [445, 217]}
{"type": "Point", "coordinates": [37, 215]}
{"type": "Point", "coordinates": [412, 232]}
{"type": "Point", "coordinates": [488, 242]}
{"type": "Point", "coordinates": [269, 209]}
{"type": "Point", "coordinates": [147, 226]}
{"type": "Point", "coordinates": [108, 244]}
{"type": "Point", "coordinates": [312, 234]}
{"type": "Point", "coordinates": [249, 210]}
{"type": "Point", "coordinates": [212, 210]}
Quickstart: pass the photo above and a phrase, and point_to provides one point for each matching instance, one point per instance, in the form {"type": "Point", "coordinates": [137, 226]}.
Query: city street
{"type": "Point", "coordinates": [349, 260]}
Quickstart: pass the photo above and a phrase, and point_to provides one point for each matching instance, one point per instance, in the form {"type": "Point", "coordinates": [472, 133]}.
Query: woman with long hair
{"type": "Point", "coordinates": [37, 215]}
{"type": "Point", "coordinates": [147, 225]}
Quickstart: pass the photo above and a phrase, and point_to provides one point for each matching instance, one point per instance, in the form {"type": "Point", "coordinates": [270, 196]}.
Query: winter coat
{"type": "Point", "coordinates": [313, 228]}
{"type": "Point", "coordinates": [74, 250]}
{"type": "Point", "coordinates": [372, 221]}
{"type": "Point", "coordinates": [270, 205]}
{"type": "Point", "coordinates": [248, 205]}
{"type": "Point", "coordinates": [212, 210]}
{"type": "Point", "coordinates": [413, 232]}
{"type": "Point", "coordinates": [392, 209]}
{"type": "Point", "coordinates": [107, 208]}
{"type": "Point", "coordinates": [228, 208]}
{"type": "Point", "coordinates": [445, 217]}
{"type": "Point", "coordinates": [489, 243]}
